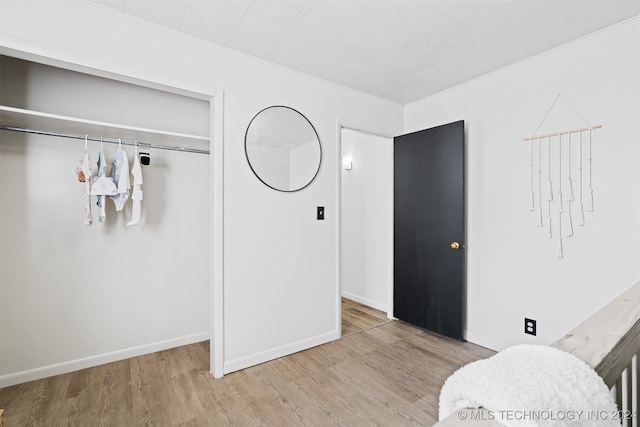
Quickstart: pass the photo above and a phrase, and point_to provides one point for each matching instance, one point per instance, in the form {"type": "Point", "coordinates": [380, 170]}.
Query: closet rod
{"type": "Point", "coordinates": [107, 140]}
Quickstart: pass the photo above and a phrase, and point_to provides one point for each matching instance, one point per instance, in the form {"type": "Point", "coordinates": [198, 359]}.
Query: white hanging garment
{"type": "Point", "coordinates": [103, 186]}
{"type": "Point", "coordinates": [120, 175]}
{"type": "Point", "coordinates": [136, 194]}
{"type": "Point", "coordinates": [84, 175]}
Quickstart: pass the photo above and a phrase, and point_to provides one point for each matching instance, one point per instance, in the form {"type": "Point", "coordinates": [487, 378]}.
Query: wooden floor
{"type": "Point", "coordinates": [386, 375]}
{"type": "Point", "coordinates": [357, 317]}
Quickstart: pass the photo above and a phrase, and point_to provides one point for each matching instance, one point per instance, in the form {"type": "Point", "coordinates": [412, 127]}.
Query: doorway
{"type": "Point", "coordinates": [366, 200]}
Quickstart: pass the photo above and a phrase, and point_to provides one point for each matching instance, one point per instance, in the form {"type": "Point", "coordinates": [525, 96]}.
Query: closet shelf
{"type": "Point", "coordinates": [38, 120]}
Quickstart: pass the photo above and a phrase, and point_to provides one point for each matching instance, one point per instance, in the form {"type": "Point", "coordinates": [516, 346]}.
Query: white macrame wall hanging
{"type": "Point", "coordinates": [561, 187]}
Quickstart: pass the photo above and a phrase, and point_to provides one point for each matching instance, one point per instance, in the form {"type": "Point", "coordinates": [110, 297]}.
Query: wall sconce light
{"type": "Point", "coordinates": [347, 162]}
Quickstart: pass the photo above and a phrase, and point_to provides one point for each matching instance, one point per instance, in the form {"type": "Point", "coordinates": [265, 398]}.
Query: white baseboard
{"type": "Point", "coordinates": [275, 353]}
{"type": "Point", "coordinates": [484, 342]}
{"type": "Point", "coordinates": [99, 359]}
{"type": "Point", "coordinates": [368, 302]}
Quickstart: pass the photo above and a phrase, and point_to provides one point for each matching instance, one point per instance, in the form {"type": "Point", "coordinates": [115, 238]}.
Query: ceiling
{"type": "Point", "coordinates": [400, 50]}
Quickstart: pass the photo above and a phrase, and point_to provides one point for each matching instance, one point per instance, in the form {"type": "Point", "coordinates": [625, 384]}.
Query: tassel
{"type": "Point", "coordinates": [569, 227]}
{"type": "Point", "coordinates": [549, 190]}
{"type": "Point", "coordinates": [590, 201]}
{"type": "Point", "coordinates": [570, 194]}
{"type": "Point", "coordinates": [549, 233]}
{"type": "Point", "coordinates": [539, 223]}
{"type": "Point", "coordinates": [560, 206]}
{"type": "Point", "coordinates": [581, 216]}
{"type": "Point", "coordinates": [532, 202]}
{"type": "Point", "coordinates": [560, 254]}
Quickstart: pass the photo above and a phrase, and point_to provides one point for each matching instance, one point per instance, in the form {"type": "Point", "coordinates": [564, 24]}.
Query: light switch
{"type": "Point", "coordinates": [320, 213]}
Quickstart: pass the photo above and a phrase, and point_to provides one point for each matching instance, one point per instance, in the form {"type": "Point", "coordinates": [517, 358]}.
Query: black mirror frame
{"type": "Point", "coordinates": [249, 161]}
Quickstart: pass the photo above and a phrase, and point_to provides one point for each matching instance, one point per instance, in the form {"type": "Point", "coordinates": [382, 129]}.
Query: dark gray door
{"type": "Point", "coordinates": [429, 262]}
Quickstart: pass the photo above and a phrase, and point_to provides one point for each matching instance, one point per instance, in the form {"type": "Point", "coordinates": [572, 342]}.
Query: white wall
{"type": "Point", "coordinates": [513, 271]}
{"type": "Point", "coordinates": [281, 290]}
{"type": "Point", "coordinates": [367, 219]}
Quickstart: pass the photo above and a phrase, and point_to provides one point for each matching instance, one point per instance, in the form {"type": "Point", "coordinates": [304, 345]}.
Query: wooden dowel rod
{"type": "Point", "coordinates": [564, 132]}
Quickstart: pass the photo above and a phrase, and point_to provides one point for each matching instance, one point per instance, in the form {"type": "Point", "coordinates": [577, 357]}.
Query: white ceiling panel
{"type": "Point", "coordinates": [500, 18]}
{"type": "Point", "coordinates": [214, 21]}
{"type": "Point", "coordinates": [111, 4]}
{"type": "Point", "coordinates": [460, 14]}
{"type": "Point", "coordinates": [579, 20]}
{"type": "Point", "coordinates": [527, 36]}
{"type": "Point", "coordinates": [400, 50]}
{"type": "Point", "coordinates": [167, 13]}
{"type": "Point", "coordinates": [535, 9]}
{"type": "Point", "coordinates": [621, 10]}
{"type": "Point", "coordinates": [265, 24]}
{"type": "Point", "coordinates": [589, 15]}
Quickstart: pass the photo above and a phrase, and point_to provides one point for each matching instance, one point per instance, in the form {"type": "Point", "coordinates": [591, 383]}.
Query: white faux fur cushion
{"type": "Point", "coordinates": [531, 385]}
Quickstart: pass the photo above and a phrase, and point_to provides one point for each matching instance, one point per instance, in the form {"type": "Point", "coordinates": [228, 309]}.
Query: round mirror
{"type": "Point", "coordinates": [283, 148]}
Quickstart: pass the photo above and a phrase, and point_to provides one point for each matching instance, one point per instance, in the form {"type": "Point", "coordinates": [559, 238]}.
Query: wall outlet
{"type": "Point", "coordinates": [529, 326]}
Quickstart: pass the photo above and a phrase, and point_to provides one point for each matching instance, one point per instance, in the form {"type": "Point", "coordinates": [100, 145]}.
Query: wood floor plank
{"type": "Point", "coordinates": [357, 317]}
{"type": "Point", "coordinates": [111, 394]}
{"type": "Point", "coordinates": [386, 373]}
{"type": "Point", "coordinates": [377, 393]}
{"type": "Point", "coordinates": [327, 405]}
{"type": "Point", "coordinates": [142, 399]}
{"type": "Point", "coordinates": [220, 405]}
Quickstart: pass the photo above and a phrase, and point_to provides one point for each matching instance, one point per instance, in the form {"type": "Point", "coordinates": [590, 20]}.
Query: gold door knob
{"type": "Point", "coordinates": [455, 246]}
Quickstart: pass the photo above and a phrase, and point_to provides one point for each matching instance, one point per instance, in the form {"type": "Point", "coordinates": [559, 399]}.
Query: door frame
{"type": "Point", "coordinates": [384, 133]}
{"type": "Point", "coordinates": [101, 68]}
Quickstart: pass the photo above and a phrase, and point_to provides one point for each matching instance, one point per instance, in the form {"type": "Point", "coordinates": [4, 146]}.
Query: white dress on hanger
{"type": "Point", "coordinates": [84, 175]}
{"type": "Point", "coordinates": [103, 186]}
{"type": "Point", "coordinates": [136, 194]}
{"type": "Point", "coordinates": [120, 176]}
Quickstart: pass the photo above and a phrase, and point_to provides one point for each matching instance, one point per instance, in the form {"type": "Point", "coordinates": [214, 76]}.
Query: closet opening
{"type": "Point", "coordinates": [116, 288]}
